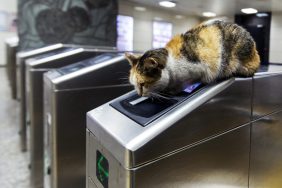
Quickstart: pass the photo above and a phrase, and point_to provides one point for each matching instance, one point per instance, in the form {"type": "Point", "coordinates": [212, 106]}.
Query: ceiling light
{"type": "Point", "coordinates": [140, 9]}
{"type": "Point", "coordinates": [168, 4]}
{"type": "Point", "coordinates": [179, 16]}
{"type": "Point", "coordinates": [209, 14]}
{"type": "Point", "coordinates": [261, 14]}
{"type": "Point", "coordinates": [249, 10]}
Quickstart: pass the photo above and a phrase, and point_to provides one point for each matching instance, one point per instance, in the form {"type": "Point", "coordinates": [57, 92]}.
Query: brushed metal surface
{"type": "Point", "coordinates": [266, 152]}
{"type": "Point", "coordinates": [134, 145]}
{"type": "Point", "coordinates": [227, 110]}
{"type": "Point", "coordinates": [219, 162]}
{"type": "Point", "coordinates": [267, 94]}
{"type": "Point", "coordinates": [68, 158]}
{"type": "Point", "coordinates": [36, 128]}
{"type": "Point", "coordinates": [64, 58]}
{"type": "Point", "coordinates": [91, 184]}
{"type": "Point", "coordinates": [119, 177]}
{"type": "Point", "coordinates": [11, 50]}
{"type": "Point", "coordinates": [65, 110]}
{"type": "Point", "coordinates": [21, 83]}
{"type": "Point", "coordinates": [34, 90]}
{"type": "Point", "coordinates": [115, 69]}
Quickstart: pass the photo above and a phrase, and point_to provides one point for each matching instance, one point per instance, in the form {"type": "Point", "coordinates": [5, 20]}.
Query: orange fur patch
{"type": "Point", "coordinates": [209, 48]}
{"type": "Point", "coordinates": [174, 46]}
{"type": "Point", "coordinates": [253, 63]}
{"type": "Point", "coordinates": [142, 78]}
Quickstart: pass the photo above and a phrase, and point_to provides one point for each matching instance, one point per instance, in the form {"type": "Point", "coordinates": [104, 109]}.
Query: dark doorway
{"type": "Point", "coordinates": [259, 28]}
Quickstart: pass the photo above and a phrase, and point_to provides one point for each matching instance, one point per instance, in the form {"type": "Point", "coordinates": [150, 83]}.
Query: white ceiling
{"type": "Point", "coordinates": [220, 7]}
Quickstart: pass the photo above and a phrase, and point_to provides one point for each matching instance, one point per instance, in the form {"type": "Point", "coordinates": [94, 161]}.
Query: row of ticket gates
{"type": "Point", "coordinates": [84, 126]}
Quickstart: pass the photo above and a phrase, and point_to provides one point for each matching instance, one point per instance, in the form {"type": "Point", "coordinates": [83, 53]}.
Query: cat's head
{"type": "Point", "coordinates": [146, 72]}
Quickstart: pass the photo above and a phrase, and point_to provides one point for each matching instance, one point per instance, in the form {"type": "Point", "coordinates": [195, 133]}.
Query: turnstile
{"type": "Point", "coordinates": [11, 50]}
{"type": "Point", "coordinates": [69, 93]}
{"type": "Point", "coordinates": [207, 136]}
{"type": "Point", "coordinates": [21, 82]}
{"type": "Point", "coordinates": [23, 55]}
{"type": "Point", "coordinates": [38, 54]}
{"type": "Point", "coordinates": [35, 68]}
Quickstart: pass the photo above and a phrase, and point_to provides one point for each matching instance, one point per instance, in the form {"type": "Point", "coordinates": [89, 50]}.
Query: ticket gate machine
{"type": "Point", "coordinates": [38, 54]}
{"type": "Point", "coordinates": [35, 68]}
{"type": "Point", "coordinates": [21, 81]}
{"type": "Point", "coordinates": [23, 55]}
{"type": "Point", "coordinates": [11, 51]}
{"type": "Point", "coordinates": [207, 136]}
{"type": "Point", "coordinates": [69, 93]}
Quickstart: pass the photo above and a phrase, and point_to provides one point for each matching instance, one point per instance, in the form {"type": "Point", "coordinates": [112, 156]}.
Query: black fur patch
{"type": "Point", "coordinates": [190, 41]}
{"type": "Point", "coordinates": [160, 55]}
{"type": "Point", "coordinates": [234, 35]}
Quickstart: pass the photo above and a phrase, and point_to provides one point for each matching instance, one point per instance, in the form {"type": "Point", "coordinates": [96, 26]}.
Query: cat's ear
{"type": "Point", "coordinates": [132, 59]}
{"type": "Point", "coordinates": [151, 63]}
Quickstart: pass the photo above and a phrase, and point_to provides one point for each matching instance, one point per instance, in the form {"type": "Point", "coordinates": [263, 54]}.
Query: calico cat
{"type": "Point", "coordinates": [210, 51]}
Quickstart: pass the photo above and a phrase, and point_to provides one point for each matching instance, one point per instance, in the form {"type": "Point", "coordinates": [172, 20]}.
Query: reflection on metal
{"type": "Point", "coordinates": [35, 68]}
{"type": "Point", "coordinates": [11, 50]}
{"type": "Point", "coordinates": [21, 78]}
{"type": "Point", "coordinates": [70, 92]}
{"type": "Point", "coordinates": [224, 135]}
{"type": "Point", "coordinates": [41, 55]}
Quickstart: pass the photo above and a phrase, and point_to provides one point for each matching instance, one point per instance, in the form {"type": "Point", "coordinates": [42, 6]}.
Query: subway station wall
{"type": "Point", "coordinates": [275, 54]}
{"type": "Point", "coordinates": [143, 23]}
{"type": "Point", "coordinates": [8, 7]}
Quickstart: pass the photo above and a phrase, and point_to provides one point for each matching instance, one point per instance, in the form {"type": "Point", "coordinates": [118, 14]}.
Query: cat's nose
{"type": "Point", "coordinates": [139, 92]}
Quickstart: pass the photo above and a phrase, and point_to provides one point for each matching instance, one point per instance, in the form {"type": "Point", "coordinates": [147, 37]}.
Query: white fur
{"type": "Point", "coordinates": [179, 73]}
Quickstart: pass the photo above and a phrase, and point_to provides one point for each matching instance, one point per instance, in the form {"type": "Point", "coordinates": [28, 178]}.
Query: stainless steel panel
{"type": "Point", "coordinates": [91, 184]}
{"type": "Point", "coordinates": [266, 152]}
{"type": "Point", "coordinates": [116, 69]}
{"type": "Point", "coordinates": [220, 162]}
{"type": "Point", "coordinates": [119, 177]}
{"type": "Point", "coordinates": [22, 56]}
{"type": "Point", "coordinates": [21, 84]}
{"type": "Point", "coordinates": [34, 90]}
{"type": "Point", "coordinates": [68, 127]}
{"type": "Point", "coordinates": [47, 132]}
{"type": "Point", "coordinates": [54, 61]}
{"type": "Point", "coordinates": [11, 50]}
{"type": "Point", "coordinates": [36, 128]}
{"type": "Point", "coordinates": [203, 115]}
{"type": "Point", "coordinates": [267, 94]}
{"type": "Point", "coordinates": [227, 110]}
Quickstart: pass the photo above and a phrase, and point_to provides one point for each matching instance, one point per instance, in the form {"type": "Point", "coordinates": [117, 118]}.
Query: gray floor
{"type": "Point", "coordinates": [14, 171]}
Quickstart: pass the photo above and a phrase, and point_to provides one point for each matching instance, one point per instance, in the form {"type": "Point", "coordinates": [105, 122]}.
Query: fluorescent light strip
{"type": "Point", "coordinates": [209, 14]}
{"type": "Point", "coordinates": [249, 10]}
{"type": "Point", "coordinates": [261, 14]}
{"type": "Point", "coordinates": [168, 4]}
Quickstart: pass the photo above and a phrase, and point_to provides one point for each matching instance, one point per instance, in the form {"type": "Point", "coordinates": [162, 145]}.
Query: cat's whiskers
{"type": "Point", "coordinates": [158, 96]}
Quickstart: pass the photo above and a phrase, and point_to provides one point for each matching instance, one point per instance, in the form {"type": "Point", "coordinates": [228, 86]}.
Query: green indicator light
{"type": "Point", "coordinates": [102, 169]}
